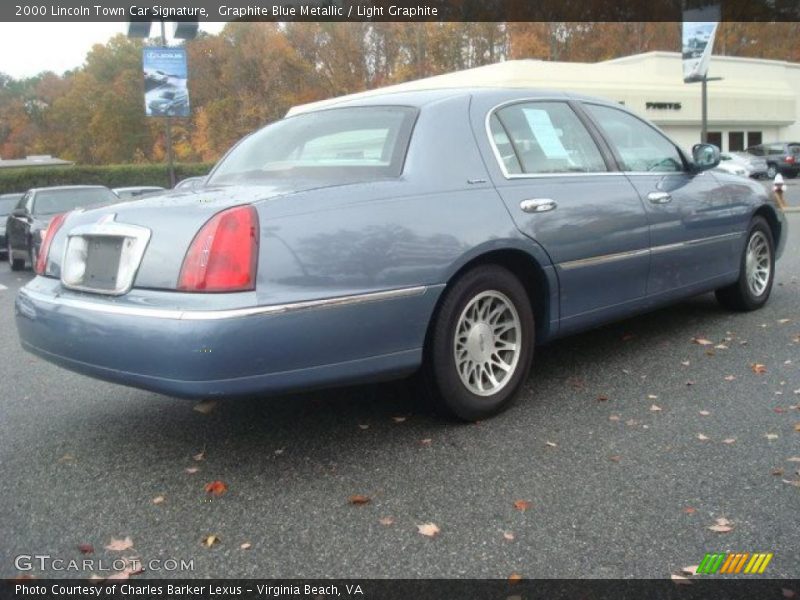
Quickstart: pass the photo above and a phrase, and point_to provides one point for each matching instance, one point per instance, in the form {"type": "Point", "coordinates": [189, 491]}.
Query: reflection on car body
{"type": "Point", "coordinates": [448, 231]}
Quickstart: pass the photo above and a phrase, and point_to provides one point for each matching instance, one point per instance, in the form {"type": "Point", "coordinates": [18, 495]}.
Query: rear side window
{"type": "Point", "coordinates": [342, 144]}
{"type": "Point", "coordinates": [50, 202]}
{"type": "Point", "coordinates": [775, 149]}
{"type": "Point", "coordinates": [546, 138]}
{"type": "Point", "coordinates": [640, 147]}
{"type": "Point", "coordinates": [794, 148]}
{"type": "Point", "coordinates": [756, 151]}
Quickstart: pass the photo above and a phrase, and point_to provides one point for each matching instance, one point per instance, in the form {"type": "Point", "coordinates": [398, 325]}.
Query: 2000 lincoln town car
{"type": "Point", "coordinates": [451, 230]}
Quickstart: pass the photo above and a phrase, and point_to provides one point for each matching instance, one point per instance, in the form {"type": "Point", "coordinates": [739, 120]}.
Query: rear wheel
{"type": "Point", "coordinates": [17, 264]}
{"type": "Point", "coordinates": [481, 344]}
{"type": "Point", "coordinates": [756, 271]}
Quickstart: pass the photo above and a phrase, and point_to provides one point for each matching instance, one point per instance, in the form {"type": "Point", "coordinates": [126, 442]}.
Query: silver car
{"type": "Point", "coordinates": [753, 166]}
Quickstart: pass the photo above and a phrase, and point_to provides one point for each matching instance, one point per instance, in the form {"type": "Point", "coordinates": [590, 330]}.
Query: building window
{"type": "Point", "coordinates": [753, 138]}
{"type": "Point", "coordinates": [714, 137]}
{"type": "Point", "coordinates": [735, 141]}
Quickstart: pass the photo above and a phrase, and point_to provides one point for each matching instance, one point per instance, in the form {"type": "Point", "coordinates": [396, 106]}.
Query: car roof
{"type": "Point", "coordinates": [419, 98]}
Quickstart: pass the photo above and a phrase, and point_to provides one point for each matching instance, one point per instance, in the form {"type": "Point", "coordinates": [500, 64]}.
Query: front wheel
{"type": "Point", "coordinates": [481, 344]}
{"type": "Point", "coordinates": [756, 271]}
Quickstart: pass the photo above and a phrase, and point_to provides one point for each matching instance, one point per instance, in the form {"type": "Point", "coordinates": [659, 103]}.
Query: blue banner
{"type": "Point", "coordinates": [166, 91]}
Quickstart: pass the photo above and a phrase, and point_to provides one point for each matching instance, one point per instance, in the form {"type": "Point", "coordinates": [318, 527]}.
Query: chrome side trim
{"type": "Point", "coordinates": [697, 242]}
{"type": "Point", "coordinates": [605, 258]}
{"type": "Point", "coordinates": [215, 315]}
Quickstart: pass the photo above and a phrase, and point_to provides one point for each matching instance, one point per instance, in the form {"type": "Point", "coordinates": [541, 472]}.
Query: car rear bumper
{"type": "Point", "coordinates": [196, 353]}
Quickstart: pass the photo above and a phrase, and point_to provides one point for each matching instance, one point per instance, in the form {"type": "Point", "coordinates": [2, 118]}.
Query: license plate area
{"type": "Point", "coordinates": [104, 257]}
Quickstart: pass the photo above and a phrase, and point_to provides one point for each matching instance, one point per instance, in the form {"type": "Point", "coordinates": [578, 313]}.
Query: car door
{"type": "Point", "coordinates": [19, 225]}
{"type": "Point", "coordinates": [693, 232]}
{"type": "Point", "coordinates": [558, 182]}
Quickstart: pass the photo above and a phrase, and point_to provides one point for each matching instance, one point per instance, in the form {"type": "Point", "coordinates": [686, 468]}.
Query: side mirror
{"type": "Point", "coordinates": [705, 156]}
{"type": "Point", "coordinates": [19, 212]}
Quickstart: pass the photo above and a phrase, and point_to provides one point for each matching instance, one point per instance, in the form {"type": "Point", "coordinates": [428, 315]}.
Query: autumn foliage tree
{"type": "Point", "coordinates": [252, 73]}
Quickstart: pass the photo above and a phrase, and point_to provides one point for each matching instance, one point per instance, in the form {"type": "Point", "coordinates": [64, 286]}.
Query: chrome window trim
{"type": "Point", "coordinates": [607, 258]}
{"type": "Point", "coordinates": [216, 315]}
{"type": "Point", "coordinates": [499, 158]}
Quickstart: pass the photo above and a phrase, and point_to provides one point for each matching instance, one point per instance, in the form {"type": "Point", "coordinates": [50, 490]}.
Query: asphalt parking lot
{"type": "Point", "coordinates": [630, 442]}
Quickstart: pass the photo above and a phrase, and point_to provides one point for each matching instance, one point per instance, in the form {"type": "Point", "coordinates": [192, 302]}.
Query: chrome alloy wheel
{"type": "Point", "coordinates": [488, 343]}
{"type": "Point", "coordinates": [758, 264]}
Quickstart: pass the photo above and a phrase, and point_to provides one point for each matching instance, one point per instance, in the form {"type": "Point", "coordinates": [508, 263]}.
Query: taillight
{"type": "Point", "coordinates": [224, 254]}
{"type": "Point", "coordinates": [789, 159]}
{"type": "Point", "coordinates": [47, 239]}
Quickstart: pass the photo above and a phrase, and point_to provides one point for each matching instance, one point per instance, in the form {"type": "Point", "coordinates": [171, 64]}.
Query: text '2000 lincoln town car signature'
{"type": "Point", "coordinates": [451, 230]}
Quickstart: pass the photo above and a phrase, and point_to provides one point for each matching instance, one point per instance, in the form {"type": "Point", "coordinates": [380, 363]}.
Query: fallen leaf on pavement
{"type": "Point", "coordinates": [602, 398]}
{"type": "Point", "coordinates": [702, 341]}
{"type": "Point", "coordinates": [210, 540]}
{"type": "Point", "coordinates": [398, 419]}
{"type": "Point", "coordinates": [728, 440]}
{"type": "Point", "coordinates": [655, 408]}
{"type": "Point", "coordinates": [704, 413]}
{"type": "Point", "coordinates": [692, 570]}
{"type": "Point", "coordinates": [702, 437]}
{"type": "Point", "coordinates": [680, 579]}
{"type": "Point", "coordinates": [428, 529]}
{"type": "Point", "coordinates": [120, 545]}
{"type": "Point", "coordinates": [722, 525]}
{"type": "Point", "coordinates": [363, 426]}
{"type": "Point", "coordinates": [721, 347]}
{"type": "Point", "coordinates": [359, 499]}
{"type": "Point", "coordinates": [758, 368]}
{"type": "Point", "coordinates": [245, 546]}
{"type": "Point", "coordinates": [652, 397]}
{"type": "Point", "coordinates": [793, 459]}
{"type": "Point", "coordinates": [685, 363]}
{"type": "Point", "coordinates": [217, 488]}
{"type": "Point", "coordinates": [522, 505]}
{"type": "Point", "coordinates": [158, 500]}
{"type": "Point", "coordinates": [200, 455]}
{"type": "Point", "coordinates": [426, 442]}
{"type": "Point", "coordinates": [777, 471]}
{"type": "Point", "coordinates": [514, 578]}
{"type": "Point", "coordinates": [616, 458]}
{"type": "Point", "coordinates": [551, 444]}
{"type": "Point", "coordinates": [192, 470]}
{"type": "Point", "coordinates": [795, 482]}
{"type": "Point", "coordinates": [771, 436]}
{"type": "Point", "coordinates": [797, 427]}
{"type": "Point", "coordinates": [689, 510]}
{"type": "Point", "coordinates": [613, 418]}
{"type": "Point", "coordinates": [508, 535]}
{"type": "Point", "coordinates": [206, 406]}
{"type": "Point", "coordinates": [85, 548]}
{"type": "Point", "coordinates": [782, 321]}
{"type": "Point", "coordinates": [730, 377]}
{"type": "Point", "coordinates": [386, 521]}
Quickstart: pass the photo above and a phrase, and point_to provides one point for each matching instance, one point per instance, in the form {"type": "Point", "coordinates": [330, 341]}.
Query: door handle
{"type": "Point", "coordinates": [537, 205]}
{"type": "Point", "coordinates": [659, 198]}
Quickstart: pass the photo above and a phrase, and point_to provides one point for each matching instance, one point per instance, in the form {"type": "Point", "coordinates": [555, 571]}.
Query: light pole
{"type": "Point", "coordinates": [186, 30]}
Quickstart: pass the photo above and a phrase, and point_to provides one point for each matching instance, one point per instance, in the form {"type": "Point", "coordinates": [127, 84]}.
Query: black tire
{"type": "Point", "coordinates": [445, 387]}
{"type": "Point", "coordinates": [791, 174]}
{"type": "Point", "coordinates": [772, 170]}
{"type": "Point", "coordinates": [16, 264]}
{"type": "Point", "coordinates": [32, 252]}
{"type": "Point", "coordinates": [739, 295]}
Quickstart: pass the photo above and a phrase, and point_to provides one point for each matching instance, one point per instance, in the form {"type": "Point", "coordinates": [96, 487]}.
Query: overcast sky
{"type": "Point", "coordinates": [30, 48]}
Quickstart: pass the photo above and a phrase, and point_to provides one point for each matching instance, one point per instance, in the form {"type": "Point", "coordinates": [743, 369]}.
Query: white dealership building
{"type": "Point", "coordinates": [755, 101]}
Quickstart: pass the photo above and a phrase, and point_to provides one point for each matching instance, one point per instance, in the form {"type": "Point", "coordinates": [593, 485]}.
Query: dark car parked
{"type": "Point", "coordinates": [781, 157]}
{"type": "Point", "coordinates": [28, 221]}
{"type": "Point", "coordinates": [7, 204]}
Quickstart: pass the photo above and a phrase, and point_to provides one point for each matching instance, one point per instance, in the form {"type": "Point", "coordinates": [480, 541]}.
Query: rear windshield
{"type": "Point", "coordinates": [7, 203]}
{"type": "Point", "coordinates": [50, 202]}
{"type": "Point", "coordinates": [337, 145]}
{"type": "Point", "coordinates": [794, 148]}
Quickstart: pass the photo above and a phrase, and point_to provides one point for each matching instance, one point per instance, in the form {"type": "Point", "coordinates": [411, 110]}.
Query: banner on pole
{"type": "Point", "coordinates": [166, 91]}
{"type": "Point", "coordinates": [699, 29]}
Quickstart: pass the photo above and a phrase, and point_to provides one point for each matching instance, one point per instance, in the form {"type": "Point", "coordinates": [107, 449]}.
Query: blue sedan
{"type": "Point", "coordinates": [443, 232]}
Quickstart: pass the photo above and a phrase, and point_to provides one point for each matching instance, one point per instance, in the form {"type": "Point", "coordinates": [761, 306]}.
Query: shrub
{"type": "Point", "coordinates": [22, 179]}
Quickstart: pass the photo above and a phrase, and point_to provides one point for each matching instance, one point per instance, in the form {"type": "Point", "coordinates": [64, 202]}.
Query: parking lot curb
{"type": "Point", "coordinates": [791, 209]}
